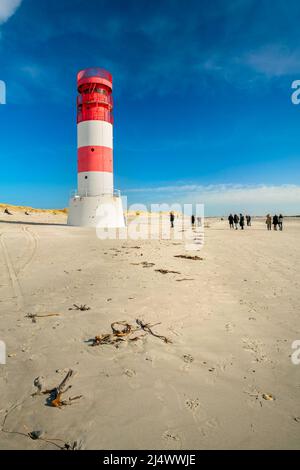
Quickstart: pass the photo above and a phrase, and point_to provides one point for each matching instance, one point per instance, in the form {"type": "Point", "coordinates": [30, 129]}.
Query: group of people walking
{"type": "Point", "coordinates": [236, 221]}
{"type": "Point", "coordinates": [276, 220]}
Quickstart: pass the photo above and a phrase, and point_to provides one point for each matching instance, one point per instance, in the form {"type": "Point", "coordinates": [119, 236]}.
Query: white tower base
{"type": "Point", "coordinates": [104, 211]}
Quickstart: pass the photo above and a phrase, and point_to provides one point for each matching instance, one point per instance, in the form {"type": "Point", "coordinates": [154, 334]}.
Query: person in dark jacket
{"type": "Point", "coordinates": [280, 222]}
{"type": "Point", "coordinates": [230, 220]}
{"type": "Point", "coordinates": [248, 219]}
{"type": "Point", "coordinates": [275, 221]}
{"type": "Point", "coordinates": [172, 218]}
{"type": "Point", "coordinates": [193, 220]}
{"type": "Point", "coordinates": [242, 221]}
{"type": "Point", "coordinates": [236, 221]}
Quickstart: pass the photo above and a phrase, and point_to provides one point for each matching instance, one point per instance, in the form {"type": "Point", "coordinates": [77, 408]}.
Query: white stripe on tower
{"type": "Point", "coordinates": [97, 133]}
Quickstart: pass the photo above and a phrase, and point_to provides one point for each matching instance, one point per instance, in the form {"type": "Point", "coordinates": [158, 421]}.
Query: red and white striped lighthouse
{"type": "Point", "coordinates": [94, 146]}
{"type": "Point", "coordinates": [95, 132]}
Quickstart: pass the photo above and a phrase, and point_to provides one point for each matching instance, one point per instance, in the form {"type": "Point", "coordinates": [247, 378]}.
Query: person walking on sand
{"type": "Point", "coordinates": [280, 222]}
{"type": "Point", "coordinates": [172, 218]}
{"type": "Point", "coordinates": [199, 221]}
{"type": "Point", "coordinates": [236, 221]}
{"type": "Point", "coordinates": [275, 221]}
{"type": "Point", "coordinates": [269, 222]}
{"type": "Point", "coordinates": [230, 220]}
{"type": "Point", "coordinates": [242, 221]}
{"type": "Point", "coordinates": [248, 220]}
{"type": "Point", "coordinates": [193, 220]}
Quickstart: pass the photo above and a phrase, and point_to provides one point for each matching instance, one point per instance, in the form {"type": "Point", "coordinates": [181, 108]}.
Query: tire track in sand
{"type": "Point", "coordinates": [33, 244]}
{"type": "Point", "coordinates": [12, 274]}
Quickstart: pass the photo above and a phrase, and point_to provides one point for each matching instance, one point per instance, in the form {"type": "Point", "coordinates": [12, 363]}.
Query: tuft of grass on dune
{"type": "Point", "coordinates": [13, 208]}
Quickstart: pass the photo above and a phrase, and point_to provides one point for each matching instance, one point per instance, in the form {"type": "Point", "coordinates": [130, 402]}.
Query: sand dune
{"type": "Point", "coordinates": [231, 319]}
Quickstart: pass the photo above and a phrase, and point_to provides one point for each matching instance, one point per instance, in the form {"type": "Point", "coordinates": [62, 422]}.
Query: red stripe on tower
{"type": "Point", "coordinates": [95, 159]}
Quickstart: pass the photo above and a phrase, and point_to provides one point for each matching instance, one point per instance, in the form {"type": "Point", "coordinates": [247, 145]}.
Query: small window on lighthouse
{"type": "Point", "coordinates": [92, 150]}
{"type": "Point", "coordinates": [102, 91]}
{"type": "Point", "coordinates": [85, 177]}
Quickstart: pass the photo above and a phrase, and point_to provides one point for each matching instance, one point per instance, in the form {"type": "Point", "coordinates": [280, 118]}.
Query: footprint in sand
{"type": "Point", "coordinates": [255, 347]}
{"type": "Point", "coordinates": [172, 440]}
{"type": "Point", "coordinates": [229, 327]}
{"type": "Point", "coordinates": [188, 359]}
{"type": "Point", "coordinates": [129, 372]}
{"type": "Point", "coordinates": [192, 404]}
{"type": "Point", "coordinates": [208, 427]}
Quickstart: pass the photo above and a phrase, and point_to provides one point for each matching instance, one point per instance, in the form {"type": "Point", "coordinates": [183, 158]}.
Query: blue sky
{"type": "Point", "coordinates": [202, 92]}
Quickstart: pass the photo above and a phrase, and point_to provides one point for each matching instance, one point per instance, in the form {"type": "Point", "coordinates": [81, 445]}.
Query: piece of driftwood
{"type": "Point", "coordinates": [6, 211]}
{"type": "Point", "coordinates": [185, 279]}
{"type": "Point", "coordinates": [81, 307]}
{"type": "Point", "coordinates": [196, 258]}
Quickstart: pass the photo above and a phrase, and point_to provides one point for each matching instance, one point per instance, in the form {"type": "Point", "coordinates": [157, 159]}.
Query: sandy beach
{"type": "Point", "coordinates": [231, 318]}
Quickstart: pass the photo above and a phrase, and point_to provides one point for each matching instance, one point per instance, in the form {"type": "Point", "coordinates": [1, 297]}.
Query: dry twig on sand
{"type": "Point", "coordinates": [81, 307]}
{"type": "Point", "coordinates": [196, 258]}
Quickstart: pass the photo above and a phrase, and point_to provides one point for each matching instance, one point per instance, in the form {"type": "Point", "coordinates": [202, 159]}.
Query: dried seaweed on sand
{"type": "Point", "coordinates": [148, 328]}
{"type": "Point", "coordinates": [81, 307]}
{"type": "Point", "coordinates": [195, 258]}
{"type": "Point", "coordinates": [34, 316]}
{"type": "Point", "coordinates": [145, 264]}
{"type": "Point", "coordinates": [166, 271]}
{"type": "Point", "coordinates": [123, 331]}
{"type": "Point", "coordinates": [55, 394]}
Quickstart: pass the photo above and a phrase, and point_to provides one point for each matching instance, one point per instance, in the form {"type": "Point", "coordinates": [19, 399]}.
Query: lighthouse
{"type": "Point", "coordinates": [95, 203]}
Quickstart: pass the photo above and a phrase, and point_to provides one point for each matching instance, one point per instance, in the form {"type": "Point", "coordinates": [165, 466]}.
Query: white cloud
{"type": "Point", "coordinates": [221, 199]}
{"type": "Point", "coordinates": [8, 8]}
{"type": "Point", "coordinates": [274, 61]}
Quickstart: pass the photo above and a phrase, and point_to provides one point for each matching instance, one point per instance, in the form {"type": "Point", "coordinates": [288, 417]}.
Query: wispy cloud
{"type": "Point", "coordinates": [8, 8]}
{"type": "Point", "coordinates": [274, 61]}
{"type": "Point", "coordinates": [220, 199]}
